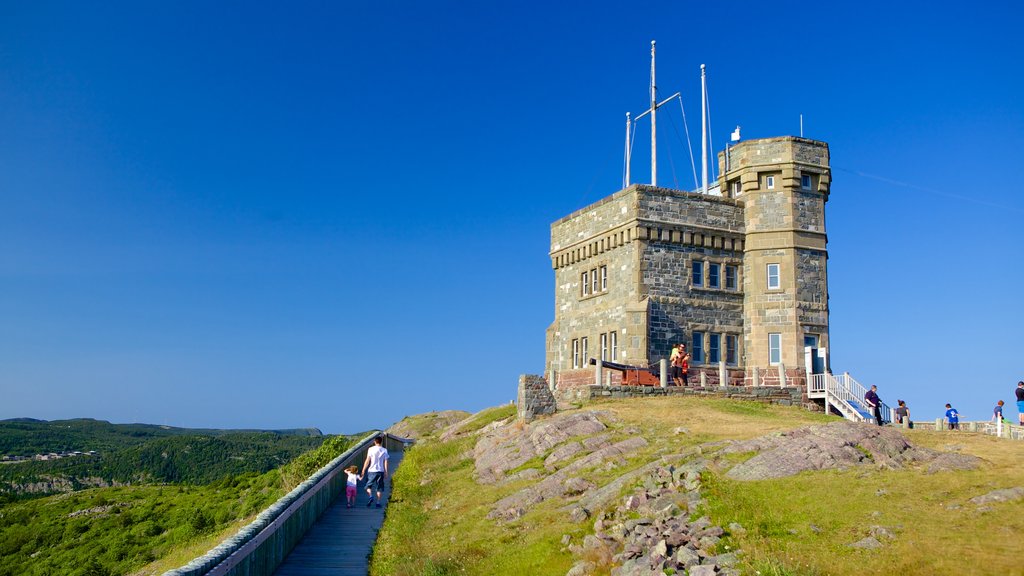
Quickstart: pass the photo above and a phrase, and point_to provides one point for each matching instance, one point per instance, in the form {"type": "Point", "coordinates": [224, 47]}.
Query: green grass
{"type": "Point", "coordinates": [124, 529]}
{"type": "Point", "coordinates": [440, 511]}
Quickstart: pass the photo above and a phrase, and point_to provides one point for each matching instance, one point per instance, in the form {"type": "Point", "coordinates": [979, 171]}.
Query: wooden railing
{"type": "Point", "coordinates": [258, 549]}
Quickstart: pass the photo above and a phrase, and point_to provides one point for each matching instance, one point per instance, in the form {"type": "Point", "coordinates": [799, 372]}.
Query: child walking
{"type": "Point", "coordinates": [350, 486]}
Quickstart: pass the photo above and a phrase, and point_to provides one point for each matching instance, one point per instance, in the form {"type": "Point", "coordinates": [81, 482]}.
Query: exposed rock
{"type": "Point", "coordinates": [602, 497]}
{"type": "Point", "coordinates": [738, 530]}
{"type": "Point", "coordinates": [1004, 495]}
{"type": "Point", "coordinates": [426, 424]}
{"type": "Point", "coordinates": [552, 486]}
{"type": "Point", "coordinates": [868, 543]}
{"type": "Point", "coordinates": [581, 568]}
{"type": "Point", "coordinates": [508, 447]}
{"type": "Point", "coordinates": [946, 462]}
{"type": "Point", "coordinates": [579, 514]}
{"type": "Point", "coordinates": [836, 445]}
{"type": "Point", "coordinates": [596, 442]}
{"type": "Point", "coordinates": [702, 570]}
{"type": "Point", "coordinates": [574, 486]}
{"type": "Point", "coordinates": [562, 453]}
{"type": "Point", "coordinates": [882, 532]}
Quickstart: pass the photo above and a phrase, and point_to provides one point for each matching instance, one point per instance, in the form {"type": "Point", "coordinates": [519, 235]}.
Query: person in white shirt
{"type": "Point", "coordinates": [376, 464]}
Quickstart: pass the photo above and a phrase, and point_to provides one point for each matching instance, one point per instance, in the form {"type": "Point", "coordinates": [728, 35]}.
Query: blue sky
{"type": "Point", "coordinates": [252, 214]}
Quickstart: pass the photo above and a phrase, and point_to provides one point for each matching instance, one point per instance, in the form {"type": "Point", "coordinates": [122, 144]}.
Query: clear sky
{"type": "Point", "coordinates": [334, 214]}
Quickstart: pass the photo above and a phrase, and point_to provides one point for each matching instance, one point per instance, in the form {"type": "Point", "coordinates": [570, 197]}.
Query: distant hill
{"type": "Point", "coordinates": [28, 436]}
{"type": "Point", "coordinates": [65, 455]}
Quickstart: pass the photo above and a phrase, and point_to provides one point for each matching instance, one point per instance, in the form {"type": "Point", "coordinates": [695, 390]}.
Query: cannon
{"type": "Point", "coordinates": [633, 375]}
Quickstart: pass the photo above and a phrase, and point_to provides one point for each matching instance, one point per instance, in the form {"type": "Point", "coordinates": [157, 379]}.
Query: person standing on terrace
{"type": "Point", "coordinates": [1020, 402]}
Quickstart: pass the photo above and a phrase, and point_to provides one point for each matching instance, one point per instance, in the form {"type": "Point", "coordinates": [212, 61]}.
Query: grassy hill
{"type": "Point", "coordinates": [28, 436]}
{"type": "Point", "coordinates": [924, 522]}
{"type": "Point", "coordinates": [121, 454]}
{"type": "Point", "coordinates": [150, 527]}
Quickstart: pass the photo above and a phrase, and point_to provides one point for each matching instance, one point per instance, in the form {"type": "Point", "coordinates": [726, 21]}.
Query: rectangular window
{"type": "Point", "coordinates": [615, 346]}
{"type": "Point", "coordinates": [714, 346]}
{"type": "Point", "coordinates": [604, 346]}
{"type": "Point", "coordinates": [805, 181]}
{"type": "Point", "coordinates": [586, 283]}
{"type": "Point", "coordinates": [735, 188]}
{"type": "Point", "coordinates": [774, 348]}
{"type": "Point", "coordinates": [575, 353]}
{"type": "Point", "coordinates": [593, 280]}
{"type": "Point", "coordinates": [773, 277]}
{"type": "Point", "coordinates": [698, 273]}
{"type": "Point", "coordinates": [769, 182]}
{"type": "Point", "coordinates": [810, 340]}
{"type": "Point", "coordinates": [730, 277]}
{"type": "Point", "coordinates": [604, 278]}
{"type": "Point", "coordinates": [583, 352]}
{"type": "Point", "coordinates": [730, 349]}
{"type": "Point", "coordinates": [713, 275]}
{"type": "Point", "coordinates": [697, 348]}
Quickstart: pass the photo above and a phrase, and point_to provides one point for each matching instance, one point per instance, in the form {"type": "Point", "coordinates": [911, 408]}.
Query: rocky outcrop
{"type": "Point", "coordinates": [507, 447]}
{"type": "Point", "coordinates": [837, 445]}
{"type": "Point", "coordinates": [643, 518]}
{"type": "Point", "coordinates": [417, 427]}
{"type": "Point", "coordinates": [1004, 495]}
{"type": "Point", "coordinates": [649, 532]}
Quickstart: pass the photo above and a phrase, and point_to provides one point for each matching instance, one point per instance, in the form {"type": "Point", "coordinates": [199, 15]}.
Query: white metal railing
{"type": "Point", "coordinates": [846, 394]}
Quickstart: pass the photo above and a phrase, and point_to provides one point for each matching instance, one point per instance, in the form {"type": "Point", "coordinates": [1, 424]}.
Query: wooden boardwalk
{"type": "Point", "coordinates": [340, 542]}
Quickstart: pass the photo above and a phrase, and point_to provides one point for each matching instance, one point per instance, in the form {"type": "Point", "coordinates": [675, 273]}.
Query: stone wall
{"type": "Point", "coordinates": [534, 398]}
{"type": "Point", "coordinates": [788, 396]}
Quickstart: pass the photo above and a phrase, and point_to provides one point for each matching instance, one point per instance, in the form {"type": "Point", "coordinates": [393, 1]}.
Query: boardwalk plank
{"type": "Point", "coordinates": [340, 542]}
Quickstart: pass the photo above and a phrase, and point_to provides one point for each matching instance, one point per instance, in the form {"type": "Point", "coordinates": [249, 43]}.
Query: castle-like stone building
{"type": "Point", "coordinates": [738, 275]}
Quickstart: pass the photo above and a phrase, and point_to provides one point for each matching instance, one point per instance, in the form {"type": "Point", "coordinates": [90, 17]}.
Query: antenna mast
{"type": "Point", "coordinates": [628, 158]}
{"type": "Point", "coordinates": [703, 132]}
{"type": "Point", "coordinates": [654, 125]}
{"type": "Point", "coordinates": [654, 129]}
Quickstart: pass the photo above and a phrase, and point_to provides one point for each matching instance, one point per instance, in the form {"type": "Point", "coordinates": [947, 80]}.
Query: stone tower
{"type": "Point", "coordinates": [737, 274]}
{"type": "Point", "coordinates": [784, 184]}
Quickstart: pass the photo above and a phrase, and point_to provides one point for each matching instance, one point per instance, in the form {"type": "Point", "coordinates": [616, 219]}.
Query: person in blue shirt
{"type": "Point", "coordinates": [953, 417]}
{"type": "Point", "coordinates": [997, 412]}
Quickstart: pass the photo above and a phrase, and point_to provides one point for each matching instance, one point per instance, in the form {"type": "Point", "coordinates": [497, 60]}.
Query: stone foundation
{"type": "Point", "coordinates": [788, 396]}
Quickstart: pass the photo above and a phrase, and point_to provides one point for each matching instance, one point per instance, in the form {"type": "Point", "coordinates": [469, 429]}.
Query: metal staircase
{"type": "Point", "coordinates": [845, 395]}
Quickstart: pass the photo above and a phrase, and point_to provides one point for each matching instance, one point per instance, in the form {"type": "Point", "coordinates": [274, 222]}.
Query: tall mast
{"type": "Point", "coordinates": [654, 126]}
{"type": "Point", "coordinates": [703, 132]}
{"type": "Point", "coordinates": [626, 184]}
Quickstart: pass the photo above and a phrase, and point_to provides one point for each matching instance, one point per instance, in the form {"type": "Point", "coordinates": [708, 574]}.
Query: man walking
{"type": "Point", "coordinates": [875, 403]}
{"type": "Point", "coordinates": [377, 464]}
